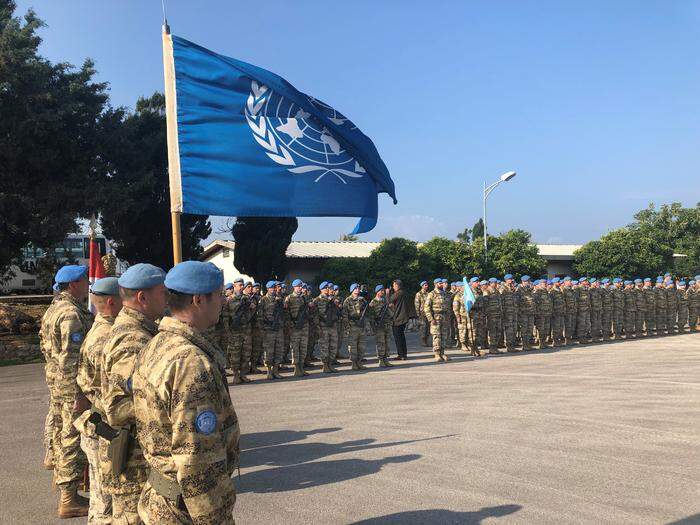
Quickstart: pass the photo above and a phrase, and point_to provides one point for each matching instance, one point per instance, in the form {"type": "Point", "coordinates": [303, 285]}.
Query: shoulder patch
{"type": "Point", "coordinates": [128, 385]}
{"type": "Point", "coordinates": [205, 423]}
{"type": "Point", "coordinates": [76, 337]}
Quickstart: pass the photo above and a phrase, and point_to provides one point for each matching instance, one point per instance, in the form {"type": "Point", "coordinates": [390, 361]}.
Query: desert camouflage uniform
{"type": "Point", "coordinates": [187, 427]}
{"type": "Point", "coordinates": [671, 310]}
{"type": "Point", "coordinates": [67, 323]}
{"type": "Point", "coordinates": [693, 306]}
{"type": "Point", "coordinates": [419, 303]}
{"type": "Point", "coordinates": [607, 312]}
{"type": "Point", "coordinates": [459, 310]}
{"type": "Point", "coordinates": [130, 333]}
{"type": "Point", "coordinates": [682, 309]}
{"type": "Point", "coordinates": [650, 310]}
{"type": "Point", "coordinates": [270, 321]}
{"type": "Point", "coordinates": [510, 315]}
{"type": "Point", "coordinates": [295, 306]}
{"type": "Point", "coordinates": [569, 314]}
{"type": "Point", "coordinates": [526, 315]}
{"type": "Point", "coordinates": [437, 311]}
{"type": "Point", "coordinates": [381, 327]}
{"type": "Point", "coordinates": [661, 319]}
{"type": "Point", "coordinates": [558, 308]}
{"type": "Point", "coordinates": [239, 315]}
{"type": "Point", "coordinates": [543, 316]}
{"type": "Point", "coordinates": [89, 381]}
{"type": "Point", "coordinates": [618, 295]}
{"type": "Point", "coordinates": [478, 315]}
{"type": "Point", "coordinates": [596, 313]}
{"type": "Point", "coordinates": [353, 307]}
{"type": "Point", "coordinates": [583, 314]}
{"type": "Point", "coordinates": [313, 335]}
{"type": "Point", "coordinates": [492, 301]}
{"type": "Point", "coordinates": [52, 421]}
{"type": "Point", "coordinates": [641, 302]}
{"type": "Point", "coordinates": [327, 312]}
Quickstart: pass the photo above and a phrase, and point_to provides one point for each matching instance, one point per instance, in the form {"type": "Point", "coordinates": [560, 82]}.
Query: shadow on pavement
{"type": "Point", "coordinates": [690, 520]}
{"type": "Point", "coordinates": [279, 437]}
{"type": "Point", "coordinates": [307, 475]}
{"type": "Point", "coordinates": [296, 453]}
{"type": "Point", "coordinates": [442, 516]}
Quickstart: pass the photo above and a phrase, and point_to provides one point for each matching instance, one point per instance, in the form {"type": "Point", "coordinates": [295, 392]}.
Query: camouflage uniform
{"type": "Point", "coordinates": [649, 310]}
{"type": "Point", "coordinates": [64, 327]}
{"type": "Point", "coordinates": [569, 314]}
{"type": "Point", "coordinates": [478, 315]}
{"type": "Point", "coordinates": [641, 311]}
{"type": "Point", "coordinates": [382, 315]}
{"type": "Point", "coordinates": [187, 427]}
{"type": "Point", "coordinates": [618, 295]}
{"type": "Point", "coordinates": [596, 314]}
{"type": "Point", "coordinates": [256, 335]}
{"type": "Point", "coordinates": [630, 312]}
{"type": "Point", "coordinates": [583, 314]}
{"type": "Point", "coordinates": [459, 310]}
{"type": "Point", "coordinates": [682, 309]}
{"type": "Point", "coordinates": [89, 380]}
{"type": "Point", "coordinates": [543, 316]}
{"type": "Point", "coordinates": [327, 312]}
{"type": "Point", "coordinates": [354, 322]}
{"type": "Point", "coordinates": [270, 321]}
{"type": "Point", "coordinates": [526, 314]}
{"type": "Point", "coordinates": [239, 313]}
{"type": "Point", "coordinates": [671, 310]}
{"type": "Point", "coordinates": [52, 422]}
{"type": "Point", "coordinates": [558, 309]}
{"type": "Point", "coordinates": [130, 333]}
{"type": "Point", "coordinates": [296, 313]}
{"type": "Point", "coordinates": [693, 306]}
{"type": "Point", "coordinates": [313, 334]}
{"type": "Point", "coordinates": [419, 303]}
{"type": "Point", "coordinates": [661, 319]}
{"type": "Point", "coordinates": [509, 309]}
{"type": "Point", "coordinates": [607, 313]}
{"type": "Point", "coordinates": [437, 311]}
{"type": "Point", "coordinates": [493, 318]}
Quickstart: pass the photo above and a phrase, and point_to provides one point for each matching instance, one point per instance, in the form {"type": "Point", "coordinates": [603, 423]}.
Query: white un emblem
{"type": "Point", "coordinates": [292, 138]}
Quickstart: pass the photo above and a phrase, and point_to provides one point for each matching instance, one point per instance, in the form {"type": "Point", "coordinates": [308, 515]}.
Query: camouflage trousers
{"type": "Point", "coordinates": [237, 351]}
{"type": "Point", "coordinates": [606, 323]}
{"type": "Point", "coordinates": [494, 328]}
{"type": "Point", "coordinates": [510, 330]}
{"type": "Point", "coordinates": [155, 509]}
{"type": "Point", "coordinates": [596, 327]}
{"type": "Point", "coordinates": [639, 322]}
{"type": "Point", "coordinates": [570, 326]}
{"type": "Point", "coordinates": [100, 502]}
{"type": "Point", "coordinates": [256, 345]}
{"type": "Point", "coordinates": [630, 322]}
{"type": "Point", "coordinates": [660, 321]}
{"type": "Point", "coordinates": [424, 329]}
{"type": "Point", "coordinates": [463, 331]}
{"type": "Point", "coordinates": [526, 324]}
{"type": "Point", "coordinates": [683, 315]}
{"type": "Point", "coordinates": [328, 343]}
{"type": "Point", "coordinates": [543, 325]}
{"type": "Point", "coordinates": [383, 336]}
{"type": "Point", "coordinates": [312, 339]}
{"type": "Point", "coordinates": [557, 324]}
{"type": "Point", "coordinates": [273, 351]}
{"type": "Point", "coordinates": [286, 341]}
{"type": "Point", "coordinates": [356, 342]}
{"type": "Point", "coordinates": [583, 325]}
{"type": "Point", "coordinates": [671, 320]}
{"type": "Point", "coordinates": [341, 335]}
{"type": "Point", "coordinates": [480, 332]}
{"type": "Point", "coordinates": [650, 322]}
{"type": "Point", "coordinates": [693, 313]}
{"type": "Point", "coordinates": [69, 460]}
{"type": "Point", "coordinates": [49, 428]}
{"type": "Point", "coordinates": [125, 508]}
{"type": "Point", "coordinates": [440, 330]}
{"type": "Point", "coordinates": [618, 319]}
{"type": "Point", "coordinates": [298, 342]}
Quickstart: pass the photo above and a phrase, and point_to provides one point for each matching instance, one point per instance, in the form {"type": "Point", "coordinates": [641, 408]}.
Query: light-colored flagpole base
{"type": "Point", "coordinates": [177, 237]}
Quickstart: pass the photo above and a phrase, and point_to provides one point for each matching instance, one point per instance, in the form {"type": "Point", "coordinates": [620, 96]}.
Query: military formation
{"type": "Point", "coordinates": [140, 409]}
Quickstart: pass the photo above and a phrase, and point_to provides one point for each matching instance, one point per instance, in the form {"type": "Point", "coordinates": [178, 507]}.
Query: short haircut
{"type": "Point", "coordinates": [62, 287]}
{"type": "Point", "coordinates": [180, 301]}
{"type": "Point", "coordinates": [127, 293]}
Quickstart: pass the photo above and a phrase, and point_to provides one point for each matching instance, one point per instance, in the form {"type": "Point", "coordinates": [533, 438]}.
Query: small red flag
{"type": "Point", "coordinates": [96, 268]}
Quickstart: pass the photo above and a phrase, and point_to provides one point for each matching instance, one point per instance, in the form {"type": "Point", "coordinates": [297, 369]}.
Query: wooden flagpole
{"type": "Point", "coordinates": [173, 147]}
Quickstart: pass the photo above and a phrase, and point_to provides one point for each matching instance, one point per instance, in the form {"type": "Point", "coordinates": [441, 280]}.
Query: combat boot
{"type": "Point", "coordinates": [382, 363]}
{"type": "Point", "coordinates": [360, 365]}
{"type": "Point", "coordinates": [244, 378]}
{"type": "Point", "coordinates": [355, 365]}
{"type": "Point", "coordinates": [48, 459]}
{"type": "Point", "coordinates": [71, 504]}
{"type": "Point", "coordinates": [387, 363]}
{"type": "Point", "coordinates": [298, 370]}
{"type": "Point", "coordinates": [275, 372]}
{"type": "Point", "coordinates": [236, 378]}
{"type": "Point", "coordinates": [444, 358]}
{"type": "Point", "coordinates": [270, 375]}
{"type": "Point", "coordinates": [437, 358]}
{"type": "Point", "coordinates": [327, 368]}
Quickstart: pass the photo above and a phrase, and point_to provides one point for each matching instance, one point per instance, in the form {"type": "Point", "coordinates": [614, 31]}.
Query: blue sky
{"type": "Point", "coordinates": [595, 104]}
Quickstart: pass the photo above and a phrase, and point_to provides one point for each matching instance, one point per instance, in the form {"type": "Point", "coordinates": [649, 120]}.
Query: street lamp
{"type": "Point", "coordinates": [487, 191]}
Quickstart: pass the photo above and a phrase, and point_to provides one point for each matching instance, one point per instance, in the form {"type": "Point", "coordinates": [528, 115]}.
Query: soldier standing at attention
{"type": "Point", "coordinates": [256, 336]}
{"type": "Point", "coordinates": [682, 306]}
{"type": "Point", "coordinates": [558, 307]}
{"type": "Point", "coordinates": [354, 311]}
{"type": "Point", "coordinates": [237, 311]}
{"type": "Point", "coordinates": [64, 327]}
{"type": "Point", "coordinates": [509, 310]}
{"type": "Point", "coordinates": [144, 299]}
{"type": "Point", "coordinates": [671, 307]}
{"type": "Point", "coordinates": [105, 298]}
{"type": "Point", "coordinates": [693, 303]}
{"type": "Point", "coordinates": [618, 296]}
{"type": "Point", "coordinates": [436, 311]}
{"type": "Point", "coordinates": [543, 312]}
{"type": "Point", "coordinates": [641, 307]}
{"type": "Point", "coordinates": [270, 321]}
{"type": "Point", "coordinates": [660, 296]}
{"type": "Point", "coordinates": [630, 309]}
{"type": "Point", "coordinates": [649, 307]}
{"type": "Point", "coordinates": [186, 422]}
{"type": "Point", "coordinates": [296, 311]}
{"type": "Point", "coordinates": [526, 311]}
{"type": "Point", "coordinates": [419, 303]}
{"type": "Point", "coordinates": [327, 313]}
{"type": "Point", "coordinates": [459, 311]}
{"type": "Point", "coordinates": [341, 329]}
{"type": "Point", "coordinates": [596, 310]}
{"type": "Point", "coordinates": [583, 303]}
{"type": "Point", "coordinates": [493, 314]}
{"type": "Point", "coordinates": [381, 315]}
{"type": "Point", "coordinates": [478, 316]}
{"type": "Point", "coordinates": [607, 313]}
{"type": "Point", "coordinates": [569, 295]}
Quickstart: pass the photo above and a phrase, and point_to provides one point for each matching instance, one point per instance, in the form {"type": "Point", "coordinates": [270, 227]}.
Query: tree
{"type": "Point", "coordinates": [513, 252]}
{"type": "Point", "coordinates": [261, 245]}
{"type": "Point", "coordinates": [49, 117]}
{"type": "Point", "coordinates": [348, 237]}
{"type": "Point", "coordinates": [135, 200]}
{"type": "Point", "coordinates": [478, 229]}
{"type": "Point", "coordinates": [395, 258]}
{"type": "Point", "coordinates": [465, 235]}
{"type": "Point", "coordinates": [344, 271]}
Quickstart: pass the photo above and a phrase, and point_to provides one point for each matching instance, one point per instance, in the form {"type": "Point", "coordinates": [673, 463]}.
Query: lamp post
{"type": "Point", "coordinates": [487, 191]}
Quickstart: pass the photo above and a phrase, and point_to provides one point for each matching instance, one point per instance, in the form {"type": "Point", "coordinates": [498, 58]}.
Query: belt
{"type": "Point", "coordinates": [164, 486]}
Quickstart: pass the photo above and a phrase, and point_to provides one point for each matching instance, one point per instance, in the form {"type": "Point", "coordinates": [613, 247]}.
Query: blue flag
{"type": "Point", "coordinates": [250, 144]}
{"type": "Point", "coordinates": [469, 298]}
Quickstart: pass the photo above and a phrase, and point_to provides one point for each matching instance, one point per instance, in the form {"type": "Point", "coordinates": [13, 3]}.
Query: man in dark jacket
{"type": "Point", "coordinates": [400, 303]}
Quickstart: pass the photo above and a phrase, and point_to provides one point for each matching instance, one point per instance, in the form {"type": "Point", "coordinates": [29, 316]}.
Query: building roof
{"type": "Point", "coordinates": [329, 249]}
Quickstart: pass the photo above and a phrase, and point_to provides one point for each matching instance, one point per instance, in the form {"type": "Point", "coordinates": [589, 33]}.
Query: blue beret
{"type": "Point", "coordinates": [492, 279]}
{"type": "Point", "coordinates": [692, 282]}
{"type": "Point", "coordinates": [682, 283]}
{"type": "Point", "coordinates": [556, 280]}
{"type": "Point", "coordinates": [593, 279]}
{"type": "Point", "coordinates": [697, 277]}
{"type": "Point", "coordinates": [647, 279]}
{"type": "Point", "coordinates": [574, 281]}
{"type": "Point", "coordinates": [507, 276]}
{"type": "Point", "coordinates": [567, 279]}
{"type": "Point", "coordinates": [297, 282]}
{"type": "Point", "coordinates": [270, 284]}
{"type": "Point", "coordinates": [667, 275]}
{"type": "Point", "coordinates": [378, 288]}
{"type": "Point", "coordinates": [336, 287]}
{"type": "Point", "coordinates": [323, 285]}
{"type": "Point", "coordinates": [659, 279]}
{"type": "Point", "coordinates": [525, 278]}
{"type": "Point", "coordinates": [670, 283]}
{"type": "Point", "coordinates": [71, 273]}
{"type": "Point", "coordinates": [55, 287]}
{"type": "Point", "coordinates": [228, 286]}
{"type": "Point", "coordinates": [605, 280]}
{"type": "Point", "coordinates": [248, 283]}
{"type": "Point", "coordinates": [194, 277]}
{"type": "Point", "coordinates": [484, 283]}
{"type": "Point", "coordinates": [437, 280]}
{"type": "Point", "coordinates": [473, 279]}
{"type": "Point", "coordinates": [256, 285]}
{"type": "Point", "coordinates": [282, 284]}
{"type": "Point", "coordinates": [548, 281]}
{"type": "Point", "coordinates": [142, 276]}
{"type": "Point", "coordinates": [105, 286]}
{"type": "Point", "coordinates": [582, 279]}
{"type": "Point", "coordinates": [443, 280]}
{"type": "Point", "coordinates": [637, 280]}
{"type": "Point", "coordinates": [423, 282]}
{"type": "Point", "coordinates": [353, 287]}
{"type": "Point", "coordinates": [238, 280]}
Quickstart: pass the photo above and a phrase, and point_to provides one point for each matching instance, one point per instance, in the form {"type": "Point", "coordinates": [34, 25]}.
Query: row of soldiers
{"type": "Point", "coordinates": [139, 392]}
{"type": "Point", "coordinates": [277, 325]}
{"type": "Point", "coordinates": [552, 311]}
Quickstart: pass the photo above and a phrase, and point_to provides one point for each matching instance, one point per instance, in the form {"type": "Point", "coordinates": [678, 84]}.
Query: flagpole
{"type": "Point", "coordinates": [173, 147]}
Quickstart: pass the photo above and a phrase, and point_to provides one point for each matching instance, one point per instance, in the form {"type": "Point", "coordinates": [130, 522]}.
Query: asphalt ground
{"type": "Point", "coordinates": [596, 434]}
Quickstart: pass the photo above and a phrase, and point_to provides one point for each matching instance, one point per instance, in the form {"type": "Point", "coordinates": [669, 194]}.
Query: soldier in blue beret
{"type": "Point", "coordinates": [105, 286]}
{"type": "Point", "coordinates": [525, 278]}
{"type": "Point", "coordinates": [507, 276]}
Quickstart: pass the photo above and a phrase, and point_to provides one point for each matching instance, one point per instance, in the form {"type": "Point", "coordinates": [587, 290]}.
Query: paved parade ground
{"type": "Point", "coordinates": [595, 434]}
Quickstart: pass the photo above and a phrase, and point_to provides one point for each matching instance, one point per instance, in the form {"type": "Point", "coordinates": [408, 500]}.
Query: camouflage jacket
{"type": "Point", "coordinates": [569, 299]}
{"type": "Point", "coordinates": [239, 312]}
{"type": "Point", "coordinates": [89, 378]}
{"type": "Point", "coordinates": [419, 302]}
{"type": "Point", "coordinates": [508, 300]}
{"type": "Point", "coordinates": [526, 300]}
{"type": "Point", "coordinates": [270, 313]}
{"type": "Point", "coordinates": [492, 303]}
{"type": "Point", "coordinates": [693, 298]}
{"type": "Point", "coordinates": [583, 299]}
{"type": "Point", "coordinates": [130, 333]}
{"type": "Point", "coordinates": [671, 299]}
{"type": "Point", "coordinates": [381, 316]}
{"type": "Point", "coordinates": [557, 296]}
{"type": "Point", "coordinates": [296, 306]}
{"type": "Point", "coordinates": [45, 344]}
{"type": "Point", "coordinates": [606, 295]}
{"type": "Point", "coordinates": [63, 329]}
{"type": "Point", "coordinates": [459, 309]}
{"type": "Point", "coordinates": [352, 311]}
{"type": "Point", "coordinates": [618, 296]}
{"type": "Point", "coordinates": [437, 306]}
{"type": "Point", "coordinates": [650, 299]}
{"type": "Point", "coordinates": [660, 294]}
{"type": "Point", "coordinates": [543, 302]}
{"type": "Point", "coordinates": [327, 310]}
{"type": "Point", "coordinates": [640, 299]}
{"type": "Point", "coordinates": [683, 298]}
{"type": "Point", "coordinates": [186, 422]}
{"type": "Point", "coordinates": [596, 299]}
{"type": "Point", "coordinates": [630, 299]}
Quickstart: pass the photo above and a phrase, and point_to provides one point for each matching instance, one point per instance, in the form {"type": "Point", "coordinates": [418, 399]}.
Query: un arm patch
{"type": "Point", "coordinates": [77, 337]}
{"type": "Point", "coordinates": [205, 422]}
